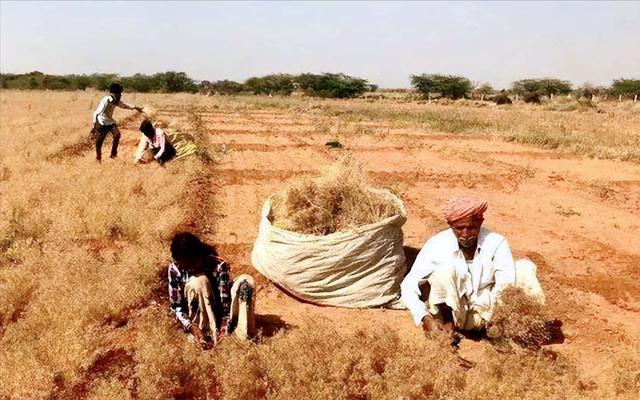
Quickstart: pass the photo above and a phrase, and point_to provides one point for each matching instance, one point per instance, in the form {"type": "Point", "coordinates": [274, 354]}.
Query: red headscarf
{"type": "Point", "coordinates": [462, 207]}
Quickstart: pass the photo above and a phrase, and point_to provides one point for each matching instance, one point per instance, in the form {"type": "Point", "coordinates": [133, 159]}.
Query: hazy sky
{"type": "Point", "coordinates": [384, 42]}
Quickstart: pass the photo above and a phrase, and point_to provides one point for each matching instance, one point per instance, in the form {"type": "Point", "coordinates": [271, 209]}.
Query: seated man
{"type": "Point", "coordinates": [466, 268]}
{"type": "Point", "coordinates": [202, 296]}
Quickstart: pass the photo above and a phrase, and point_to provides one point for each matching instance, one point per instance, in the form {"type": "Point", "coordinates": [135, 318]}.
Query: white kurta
{"type": "Point", "coordinates": [470, 289]}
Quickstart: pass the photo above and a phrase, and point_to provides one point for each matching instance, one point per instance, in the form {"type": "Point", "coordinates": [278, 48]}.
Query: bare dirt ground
{"type": "Point", "coordinates": [547, 205]}
{"type": "Point", "coordinates": [577, 218]}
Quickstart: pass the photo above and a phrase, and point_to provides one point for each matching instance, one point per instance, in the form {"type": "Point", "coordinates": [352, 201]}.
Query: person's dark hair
{"type": "Point", "coordinates": [115, 88]}
{"type": "Point", "coordinates": [186, 245]}
{"type": "Point", "coordinates": [146, 127]}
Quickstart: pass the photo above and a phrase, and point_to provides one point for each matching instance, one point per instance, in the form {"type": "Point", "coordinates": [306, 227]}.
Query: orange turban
{"type": "Point", "coordinates": [463, 207]}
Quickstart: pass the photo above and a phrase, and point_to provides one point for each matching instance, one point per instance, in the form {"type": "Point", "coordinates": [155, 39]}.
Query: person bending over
{"type": "Point", "coordinates": [202, 296]}
{"type": "Point", "coordinates": [154, 139]}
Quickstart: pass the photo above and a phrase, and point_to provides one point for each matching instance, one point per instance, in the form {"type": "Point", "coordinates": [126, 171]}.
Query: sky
{"type": "Point", "coordinates": [384, 42]}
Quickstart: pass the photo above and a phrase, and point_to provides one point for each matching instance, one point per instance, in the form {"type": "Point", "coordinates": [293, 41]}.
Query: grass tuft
{"type": "Point", "coordinates": [338, 200]}
{"type": "Point", "coordinates": [520, 318]}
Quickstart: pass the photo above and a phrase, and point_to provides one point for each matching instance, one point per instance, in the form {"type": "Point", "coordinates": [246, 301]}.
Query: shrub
{"type": "Point", "coordinates": [333, 85]}
{"type": "Point", "coordinates": [450, 86]}
{"type": "Point", "coordinates": [588, 90]}
{"type": "Point", "coordinates": [225, 87]}
{"type": "Point", "coordinates": [626, 87]}
{"type": "Point", "coordinates": [483, 90]}
{"type": "Point", "coordinates": [520, 318]}
{"type": "Point", "coordinates": [534, 89]}
{"type": "Point", "coordinates": [281, 84]}
{"type": "Point", "coordinates": [502, 98]}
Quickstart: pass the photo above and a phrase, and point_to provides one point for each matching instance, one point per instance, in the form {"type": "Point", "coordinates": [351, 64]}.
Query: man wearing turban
{"type": "Point", "coordinates": [466, 268]}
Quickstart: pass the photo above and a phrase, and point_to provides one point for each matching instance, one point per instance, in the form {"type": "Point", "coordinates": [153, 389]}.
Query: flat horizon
{"type": "Point", "coordinates": [384, 43]}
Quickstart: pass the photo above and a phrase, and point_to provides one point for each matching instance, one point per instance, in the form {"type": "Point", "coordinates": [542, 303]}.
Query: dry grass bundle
{"type": "Point", "coordinates": [337, 200]}
{"type": "Point", "coordinates": [520, 318]}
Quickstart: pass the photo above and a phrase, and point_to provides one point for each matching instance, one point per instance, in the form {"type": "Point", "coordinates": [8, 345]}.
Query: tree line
{"type": "Point", "coordinates": [530, 90]}
{"type": "Point", "coordinates": [327, 85]}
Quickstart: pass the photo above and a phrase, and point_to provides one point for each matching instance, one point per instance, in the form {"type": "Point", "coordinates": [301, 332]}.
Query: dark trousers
{"type": "Point", "coordinates": [100, 132]}
{"type": "Point", "coordinates": [169, 153]}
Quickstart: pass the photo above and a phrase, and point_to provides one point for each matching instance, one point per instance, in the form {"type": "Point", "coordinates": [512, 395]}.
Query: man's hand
{"type": "Point", "coordinates": [197, 333]}
{"type": "Point", "coordinates": [427, 323]}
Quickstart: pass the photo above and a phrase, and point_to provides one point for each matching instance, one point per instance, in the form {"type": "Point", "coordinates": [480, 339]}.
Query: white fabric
{"type": "Point", "coordinates": [492, 269]}
{"type": "Point", "coordinates": [355, 269]}
{"type": "Point", "coordinates": [527, 279]}
{"type": "Point", "coordinates": [158, 141]}
{"type": "Point", "coordinates": [104, 113]}
{"type": "Point", "coordinates": [466, 316]}
{"type": "Point", "coordinates": [199, 288]}
{"type": "Point", "coordinates": [242, 315]}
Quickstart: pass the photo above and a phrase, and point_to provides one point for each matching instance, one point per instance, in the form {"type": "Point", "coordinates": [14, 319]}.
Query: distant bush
{"type": "Point", "coordinates": [141, 83]}
{"type": "Point", "coordinates": [450, 86]}
{"type": "Point", "coordinates": [169, 82]}
{"type": "Point", "coordinates": [485, 90]}
{"type": "Point", "coordinates": [280, 84]}
{"type": "Point", "coordinates": [588, 90]}
{"type": "Point", "coordinates": [532, 90]}
{"type": "Point", "coordinates": [225, 87]}
{"type": "Point", "coordinates": [533, 98]}
{"type": "Point", "coordinates": [502, 98]}
{"type": "Point", "coordinates": [333, 85]}
{"type": "Point", "coordinates": [625, 87]}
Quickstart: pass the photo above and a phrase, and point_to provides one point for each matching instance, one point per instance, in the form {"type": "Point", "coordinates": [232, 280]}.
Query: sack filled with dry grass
{"type": "Point", "coordinates": [339, 199]}
{"type": "Point", "coordinates": [333, 240]}
{"type": "Point", "coordinates": [520, 318]}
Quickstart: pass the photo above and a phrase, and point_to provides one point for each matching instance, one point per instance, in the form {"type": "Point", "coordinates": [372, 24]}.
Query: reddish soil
{"type": "Point", "coordinates": [576, 218]}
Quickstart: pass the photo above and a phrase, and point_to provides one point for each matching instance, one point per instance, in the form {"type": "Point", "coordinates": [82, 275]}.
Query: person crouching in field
{"type": "Point", "coordinates": [203, 298]}
{"type": "Point", "coordinates": [155, 139]}
{"type": "Point", "coordinates": [466, 268]}
{"type": "Point", "coordinates": [103, 121]}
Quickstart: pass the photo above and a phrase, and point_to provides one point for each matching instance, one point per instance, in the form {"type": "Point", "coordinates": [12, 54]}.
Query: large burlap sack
{"type": "Point", "coordinates": [355, 269]}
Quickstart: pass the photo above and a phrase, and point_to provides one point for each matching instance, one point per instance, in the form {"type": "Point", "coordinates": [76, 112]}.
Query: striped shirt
{"type": "Point", "coordinates": [217, 270]}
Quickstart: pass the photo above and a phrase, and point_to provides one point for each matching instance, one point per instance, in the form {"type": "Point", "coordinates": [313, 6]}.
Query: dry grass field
{"type": "Point", "coordinates": [84, 247]}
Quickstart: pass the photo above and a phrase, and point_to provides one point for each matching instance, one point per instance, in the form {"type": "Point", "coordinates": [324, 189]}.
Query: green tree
{"type": "Point", "coordinates": [625, 87]}
{"type": "Point", "coordinates": [330, 85]}
{"type": "Point", "coordinates": [224, 87]}
{"type": "Point", "coordinates": [102, 81]}
{"type": "Point", "coordinates": [450, 86]}
{"type": "Point", "coordinates": [281, 84]}
{"type": "Point", "coordinates": [53, 82]}
{"type": "Point", "coordinates": [142, 83]}
{"type": "Point", "coordinates": [485, 90]}
{"type": "Point", "coordinates": [532, 90]}
{"type": "Point", "coordinates": [588, 90]}
{"type": "Point", "coordinates": [172, 82]}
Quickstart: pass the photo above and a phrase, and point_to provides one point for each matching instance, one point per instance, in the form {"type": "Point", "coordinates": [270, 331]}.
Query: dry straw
{"type": "Point", "coordinates": [520, 318]}
{"type": "Point", "coordinates": [339, 199]}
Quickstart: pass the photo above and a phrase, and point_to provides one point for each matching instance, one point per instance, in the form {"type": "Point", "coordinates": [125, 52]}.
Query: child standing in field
{"type": "Point", "coordinates": [155, 139]}
{"type": "Point", "coordinates": [103, 121]}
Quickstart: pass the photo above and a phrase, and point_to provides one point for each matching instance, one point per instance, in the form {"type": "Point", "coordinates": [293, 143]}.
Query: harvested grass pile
{"type": "Point", "coordinates": [339, 199]}
{"type": "Point", "coordinates": [520, 318]}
